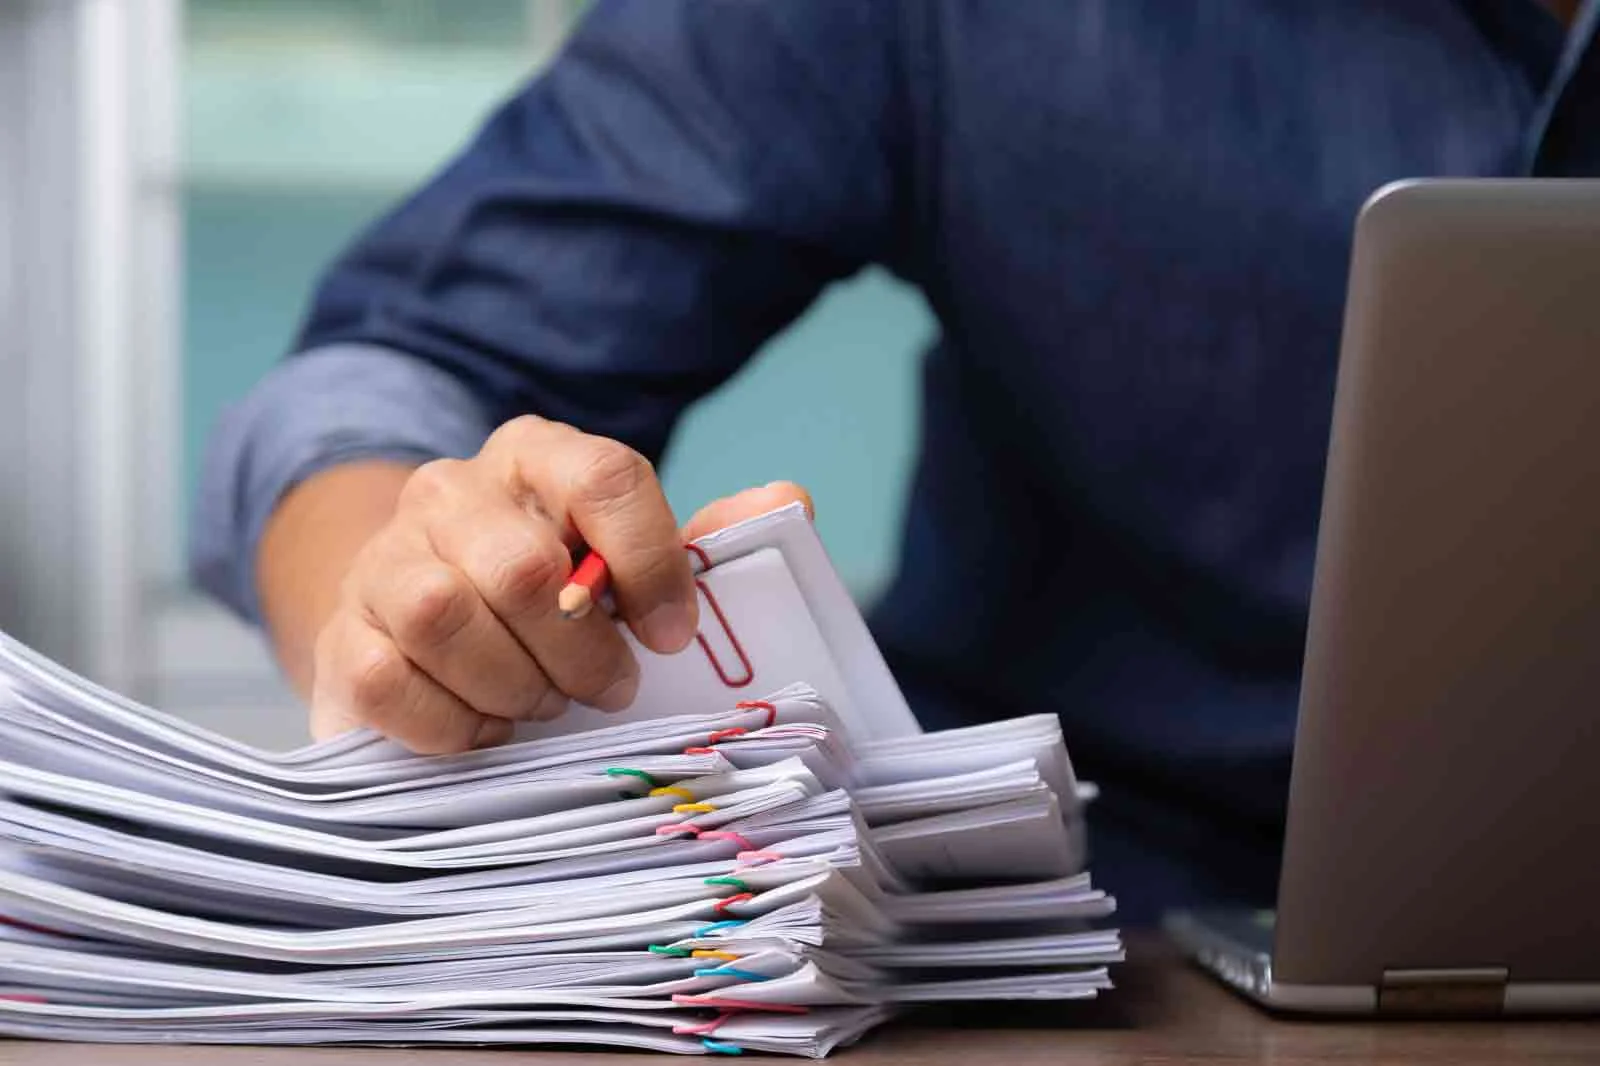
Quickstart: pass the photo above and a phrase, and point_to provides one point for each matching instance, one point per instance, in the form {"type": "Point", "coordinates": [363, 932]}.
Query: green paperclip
{"type": "Point", "coordinates": [669, 950]}
{"type": "Point", "coordinates": [734, 881]}
{"type": "Point", "coordinates": [624, 771]}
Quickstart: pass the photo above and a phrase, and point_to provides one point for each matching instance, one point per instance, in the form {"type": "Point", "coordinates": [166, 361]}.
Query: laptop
{"type": "Point", "coordinates": [1443, 843]}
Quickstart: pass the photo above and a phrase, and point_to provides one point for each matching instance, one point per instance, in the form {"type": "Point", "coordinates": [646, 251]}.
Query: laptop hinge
{"type": "Point", "coordinates": [1462, 990]}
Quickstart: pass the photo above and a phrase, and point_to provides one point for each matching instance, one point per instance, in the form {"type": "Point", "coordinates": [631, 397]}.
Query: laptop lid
{"type": "Point", "coordinates": [1444, 816]}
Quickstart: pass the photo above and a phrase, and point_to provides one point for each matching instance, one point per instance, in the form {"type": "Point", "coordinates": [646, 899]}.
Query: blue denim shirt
{"type": "Point", "coordinates": [1132, 220]}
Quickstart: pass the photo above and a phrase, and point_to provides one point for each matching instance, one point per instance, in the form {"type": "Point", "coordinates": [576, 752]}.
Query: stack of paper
{"type": "Point", "coordinates": [757, 877]}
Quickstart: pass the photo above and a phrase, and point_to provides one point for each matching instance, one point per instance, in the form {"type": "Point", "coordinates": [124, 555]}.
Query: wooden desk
{"type": "Point", "coordinates": [1161, 1012]}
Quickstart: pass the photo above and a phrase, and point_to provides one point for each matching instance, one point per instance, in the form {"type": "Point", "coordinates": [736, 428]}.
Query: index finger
{"type": "Point", "coordinates": [607, 494]}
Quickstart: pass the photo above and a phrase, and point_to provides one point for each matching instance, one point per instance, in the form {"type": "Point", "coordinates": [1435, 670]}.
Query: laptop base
{"type": "Point", "coordinates": [1235, 945]}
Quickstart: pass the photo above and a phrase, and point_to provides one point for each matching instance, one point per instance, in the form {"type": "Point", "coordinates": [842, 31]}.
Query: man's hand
{"type": "Point", "coordinates": [444, 631]}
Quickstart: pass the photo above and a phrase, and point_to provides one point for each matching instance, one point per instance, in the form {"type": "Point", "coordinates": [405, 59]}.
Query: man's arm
{"type": "Point", "coordinates": [615, 242]}
{"type": "Point", "coordinates": [307, 547]}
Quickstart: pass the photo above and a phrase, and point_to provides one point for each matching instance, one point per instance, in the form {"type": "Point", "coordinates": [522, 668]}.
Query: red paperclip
{"type": "Point", "coordinates": [727, 834]}
{"type": "Point", "coordinates": [723, 734]}
{"type": "Point", "coordinates": [672, 830]}
{"type": "Point", "coordinates": [722, 620]}
{"type": "Point", "coordinates": [720, 908]}
{"type": "Point", "coordinates": [763, 705]}
{"type": "Point", "coordinates": [699, 751]}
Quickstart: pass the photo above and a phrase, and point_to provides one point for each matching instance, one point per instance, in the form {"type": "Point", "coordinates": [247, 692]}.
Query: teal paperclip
{"type": "Point", "coordinates": [719, 1047]}
{"type": "Point", "coordinates": [714, 926]}
{"type": "Point", "coordinates": [729, 971]}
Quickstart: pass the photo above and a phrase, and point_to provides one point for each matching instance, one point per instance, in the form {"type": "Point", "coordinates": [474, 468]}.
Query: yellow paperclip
{"type": "Point", "coordinates": [672, 790]}
{"type": "Point", "coordinates": [693, 808]}
{"type": "Point", "coordinates": [725, 956]}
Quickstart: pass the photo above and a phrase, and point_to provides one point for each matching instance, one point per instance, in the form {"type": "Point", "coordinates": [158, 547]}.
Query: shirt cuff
{"type": "Point", "coordinates": [315, 410]}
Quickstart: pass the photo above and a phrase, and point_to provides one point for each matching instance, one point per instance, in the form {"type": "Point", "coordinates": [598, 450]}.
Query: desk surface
{"type": "Point", "coordinates": [1161, 1012]}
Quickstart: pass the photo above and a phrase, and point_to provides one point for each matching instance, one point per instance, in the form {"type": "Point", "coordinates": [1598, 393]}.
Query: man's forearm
{"type": "Point", "coordinates": [333, 408]}
{"type": "Point", "coordinates": [307, 547]}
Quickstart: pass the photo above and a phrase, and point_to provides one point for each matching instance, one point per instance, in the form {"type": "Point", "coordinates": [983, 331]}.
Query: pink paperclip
{"type": "Point", "coordinates": [756, 858]}
{"type": "Point", "coordinates": [701, 1028]}
{"type": "Point", "coordinates": [737, 1004]}
{"type": "Point", "coordinates": [727, 834]}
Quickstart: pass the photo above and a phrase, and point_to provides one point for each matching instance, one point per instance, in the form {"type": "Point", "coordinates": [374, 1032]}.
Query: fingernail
{"type": "Point", "coordinates": [492, 731]}
{"type": "Point", "coordinates": [551, 705]}
{"type": "Point", "coordinates": [668, 628]}
{"type": "Point", "coordinates": [619, 695]}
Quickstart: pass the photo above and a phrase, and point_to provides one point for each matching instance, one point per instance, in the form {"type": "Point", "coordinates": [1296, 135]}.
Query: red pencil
{"type": "Point", "coordinates": [585, 587]}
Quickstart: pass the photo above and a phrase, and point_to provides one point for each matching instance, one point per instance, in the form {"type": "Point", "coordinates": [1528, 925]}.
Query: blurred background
{"type": "Point", "coordinates": [173, 176]}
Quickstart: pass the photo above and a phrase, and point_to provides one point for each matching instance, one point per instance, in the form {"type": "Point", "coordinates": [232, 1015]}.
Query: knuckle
{"type": "Point", "coordinates": [516, 435]}
{"type": "Point", "coordinates": [528, 575]}
{"type": "Point", "coordinates": [379, 678]}
{"type": "Point", "coordinates": [438, 605]}
{"type": "Point", "coordinates": [431, 481]}
{"type": "Point", "coordinates": [610, 474]}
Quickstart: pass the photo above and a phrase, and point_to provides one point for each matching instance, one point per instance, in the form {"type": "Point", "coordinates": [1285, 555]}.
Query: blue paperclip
{"type": "Point", "coordinates": [729, 971]}
{"type": "Point", "coordinates": [719, 1047]}
{"type": "Point", "coordinates": [714, 926]}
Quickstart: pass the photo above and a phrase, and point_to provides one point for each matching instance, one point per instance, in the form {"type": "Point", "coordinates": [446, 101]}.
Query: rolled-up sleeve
{"type": "Point", "coordinates": [340, 404]}
{"type": "Point", "coordinates": [618, 238]}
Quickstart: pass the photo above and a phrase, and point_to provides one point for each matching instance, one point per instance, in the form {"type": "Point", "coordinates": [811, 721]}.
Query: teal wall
{"type": "Point", "coordinates": [830, 403]}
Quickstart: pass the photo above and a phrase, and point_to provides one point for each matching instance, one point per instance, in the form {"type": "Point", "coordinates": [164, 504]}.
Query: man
{"type": "Point", "coordinates": [1132, 219]}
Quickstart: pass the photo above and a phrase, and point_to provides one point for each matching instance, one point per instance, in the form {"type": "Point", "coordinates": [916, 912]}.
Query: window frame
{"type": "Point", "coordinates": [87, 287]}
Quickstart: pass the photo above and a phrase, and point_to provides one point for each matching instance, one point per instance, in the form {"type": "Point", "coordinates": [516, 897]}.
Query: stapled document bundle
{"type": "Point", "coordinates": [765, 854]}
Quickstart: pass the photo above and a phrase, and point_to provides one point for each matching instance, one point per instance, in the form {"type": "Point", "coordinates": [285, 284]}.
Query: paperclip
{"type": "Point", "coordinates": [727, 834]}
{"type": "Point", "coordinates": [726, 734]}
{"type": "Point", "coordinates": [716, 610]}
{"type": "Point", "coordinates": [706, 953]}
{"type": "Point", "coordinates": [719, 1003]}
{"type": "Point", "coordinates": [700, 1028]}
{"type": "Point", "coordinates": [624, 771]}
{"type": "Point", "coordinates": [720, 1047]}
{"type": "Point", "coordinates": [726, 923]}
{"type": "Point", "coordinates": [700, 751]}
{"type": "Point", "coordinates": [756, 858]}
{"type": "Point", "coordinates": [733, 881]}
{"type": "Point", "coordinates": [681, 827]}
{"type": "Point", "coordinates": [673, 790]}
{"type": "Point", "coordinates": [693, 808]}
{"type": "Point", "coordinates": [722, 905]}
{"type": "Point", "coordinates": [729, 971]}
{"type": "Point", "coordinates": [761, 705]}
{"type": "Point", "coordinates": [671, 951]}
